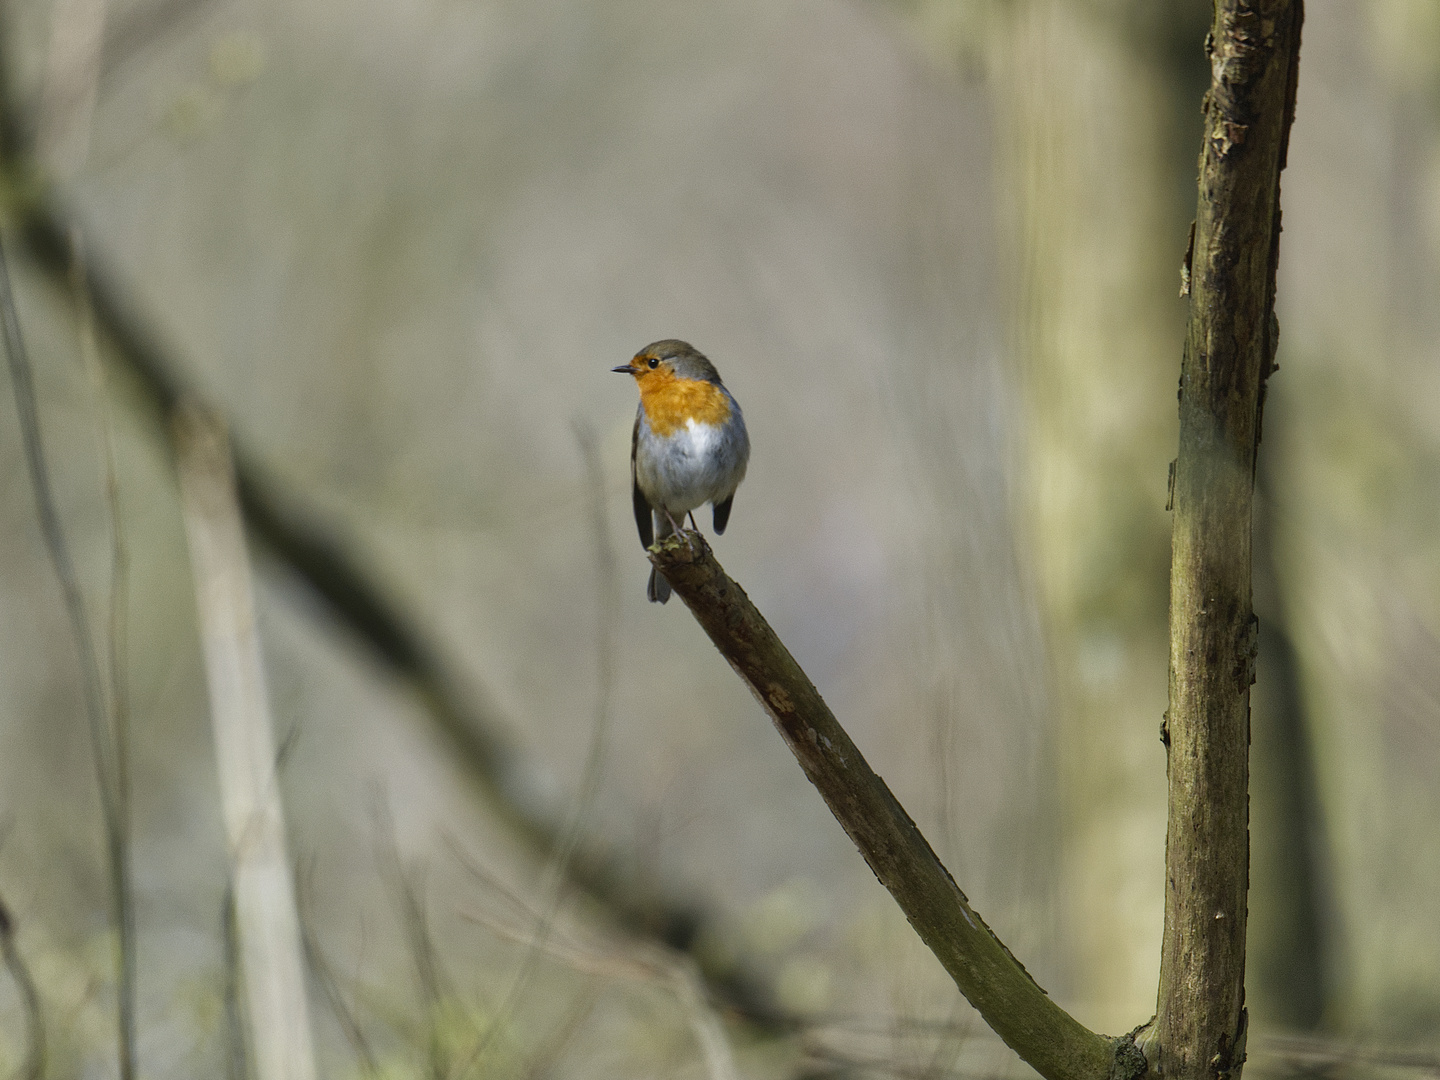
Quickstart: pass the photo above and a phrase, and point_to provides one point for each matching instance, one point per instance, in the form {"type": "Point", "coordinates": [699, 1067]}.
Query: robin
{"type": "Point", "coordinates": [689, 446]}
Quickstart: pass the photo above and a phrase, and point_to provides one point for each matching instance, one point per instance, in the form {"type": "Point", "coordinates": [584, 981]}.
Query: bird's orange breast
{"type": "Point", "coordinates": [670, 403]}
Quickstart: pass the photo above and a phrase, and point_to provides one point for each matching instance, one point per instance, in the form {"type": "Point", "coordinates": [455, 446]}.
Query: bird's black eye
{"type": "Point", "coordinates": [654, 363]}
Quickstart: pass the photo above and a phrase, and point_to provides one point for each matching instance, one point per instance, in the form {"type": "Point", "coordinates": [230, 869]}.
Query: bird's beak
{"type": "Point", "coordinates": [623, 369]}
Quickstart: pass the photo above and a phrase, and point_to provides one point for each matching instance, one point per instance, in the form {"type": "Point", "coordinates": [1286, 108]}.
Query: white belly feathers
{"type": "Point", "coordinates": [698, 463]}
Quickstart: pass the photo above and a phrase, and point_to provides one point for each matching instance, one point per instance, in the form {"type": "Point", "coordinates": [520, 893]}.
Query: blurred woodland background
{"type": "Point", "coordinates": [933, 246]}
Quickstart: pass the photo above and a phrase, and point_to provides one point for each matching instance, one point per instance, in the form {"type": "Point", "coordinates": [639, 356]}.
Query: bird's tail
{"type": "Point", "coordinates": [658, 589]}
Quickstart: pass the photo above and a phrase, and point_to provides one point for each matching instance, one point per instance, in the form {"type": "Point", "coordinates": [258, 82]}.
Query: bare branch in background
{"type": "Point", "coordinates": [119, 603]}
{"type": "Point", "coordinates": [572, 833]}
{"type": "Point", "coordinates": [467, 719]}
{"type": "Point", "coordinates": [107, 747]}
{"type": "Point", "coordinates": [408, 890]}
{"type": "Point", "coordinates": [237, 1056]}
{"type": "Point", "coordinates": [324, 975]}
{"type": "Point", "coordinates": [72, 77]}
{"type": "Point", "coordinates": [269, 932]}
{"type": "Point", "coordinates": [640, 961]}
{"type": "Point", "coordinates": [607, 617]}
{"type": "Point", "coordinates": [34, 1067]}
{"type": "Point", "coordinates": [862, 1047]}
{"type": "Point", "coordinates": [1050, 1039]}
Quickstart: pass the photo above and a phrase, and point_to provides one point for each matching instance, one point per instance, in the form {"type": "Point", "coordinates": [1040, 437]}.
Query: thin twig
{"type": "Point", "coordinates": [640, 962]}
{"type": "Point", "coordinates": [237, 1054]}
{"type": "Point", "coordinates": [607, 614]}
{"type": "Point", "coordinates": [119, 608]}
{"type": "Point", "coordinates": [471, 864]}
{"type": "Point", "coordinates": [323, 973]}
{"type": "Point", "coordinates": [573, 831]}
{"type": "Point", "coordinates": [410, 901]}
{"type": "Point", "coordinates": [883, 1048]}
{"type": "Point", "coordinates": [885, 1065]}
{"type": "Point", "coordinates": [104, 742]}
{"type": "Point", "coordinates": [705, 1024]}
{"type": "Point", "coordinates": [34, 1067]}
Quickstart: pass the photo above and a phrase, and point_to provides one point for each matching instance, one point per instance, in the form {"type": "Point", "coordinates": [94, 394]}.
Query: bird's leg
{"type": "Point", "coordinates": [670, 518]}
{"type": "Point", "coordinates": [692, 521]}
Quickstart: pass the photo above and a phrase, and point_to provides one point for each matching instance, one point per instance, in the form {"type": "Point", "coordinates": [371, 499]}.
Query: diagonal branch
{"type": "Point", "coordinates": [1058, 1046]}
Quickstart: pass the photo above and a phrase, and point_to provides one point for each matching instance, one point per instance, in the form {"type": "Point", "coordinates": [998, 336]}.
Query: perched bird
{"type": "Point", "coordinates": [689, 446]}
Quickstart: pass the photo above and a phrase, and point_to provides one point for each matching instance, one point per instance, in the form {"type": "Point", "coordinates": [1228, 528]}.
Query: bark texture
{"type": "Point", "coordinates": [1057, 1045]}
{"type": "Point", "coordinates": [1229, 352]}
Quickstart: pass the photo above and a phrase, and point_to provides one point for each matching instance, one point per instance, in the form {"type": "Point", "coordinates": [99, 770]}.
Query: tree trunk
{"type": "Point", "coordinates": [1229, 352]}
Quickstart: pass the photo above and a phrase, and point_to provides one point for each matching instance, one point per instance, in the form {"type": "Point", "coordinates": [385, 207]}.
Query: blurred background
{"type": "Point", "coordinates": [933, 247]}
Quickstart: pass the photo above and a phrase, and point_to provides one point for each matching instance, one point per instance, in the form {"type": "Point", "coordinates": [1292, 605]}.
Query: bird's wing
{"type": "Point", "coordinates": [643, 521]}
